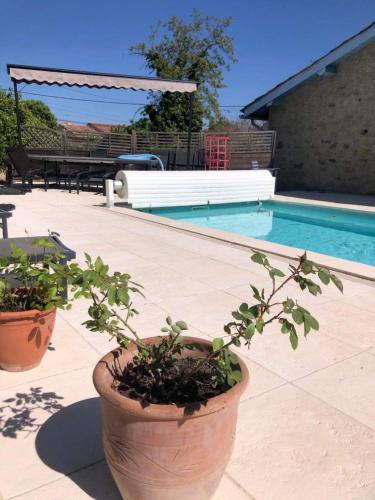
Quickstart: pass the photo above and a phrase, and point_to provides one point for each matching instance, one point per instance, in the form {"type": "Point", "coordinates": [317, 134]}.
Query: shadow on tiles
{"type": "Point", "coordinates": [19, 414]}
{"type": "Point", "coordinates": [70, 442]}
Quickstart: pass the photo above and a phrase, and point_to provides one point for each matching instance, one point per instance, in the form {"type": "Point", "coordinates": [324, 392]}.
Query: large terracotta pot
{"type": "Point", "coordinates": [24, 338]}
{"type": "Point", "coordinates": [162, 452]}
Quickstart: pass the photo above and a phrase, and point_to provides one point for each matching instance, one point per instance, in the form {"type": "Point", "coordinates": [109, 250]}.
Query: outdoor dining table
{"type": "Point", "coordinates": [87, 162]}
{"type": "Point", "coordinates": [63, 159]}
{"type": "Point", "coordinates": [91, 160]}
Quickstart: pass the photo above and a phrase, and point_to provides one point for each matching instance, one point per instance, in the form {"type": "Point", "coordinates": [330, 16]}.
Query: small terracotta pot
{"type": "Point", "coordinates": [163, 452]}
{"type": "Point", "coordinates": [24, 338]}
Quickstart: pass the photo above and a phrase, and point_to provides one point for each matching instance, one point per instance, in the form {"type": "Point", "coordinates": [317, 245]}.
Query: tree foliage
{"type": "Point", "coordinates": [199, 50]}
{"type": "Point", "coordinates": [31, 113]}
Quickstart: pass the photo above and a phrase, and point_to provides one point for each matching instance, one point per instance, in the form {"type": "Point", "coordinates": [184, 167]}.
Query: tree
{"type": "Point", "coordinates": [238, 125]}
{"type": "Point", "coordinates": [200, 50]}
{"type": "Point", "coordinates": [31, 113]}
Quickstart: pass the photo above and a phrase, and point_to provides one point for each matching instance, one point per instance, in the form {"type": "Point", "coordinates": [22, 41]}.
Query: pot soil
{"type": "Point", "coordinates": [24, 338]}
{"type": "Point", "coordinates": [165, 452]}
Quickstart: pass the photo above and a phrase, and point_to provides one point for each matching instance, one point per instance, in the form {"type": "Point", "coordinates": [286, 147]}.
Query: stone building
{"type": "Point", "coordinates": [324, 117]}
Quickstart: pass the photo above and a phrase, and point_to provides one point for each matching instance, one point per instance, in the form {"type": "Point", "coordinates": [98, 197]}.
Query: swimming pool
{"type": "Point", "coordinates": [347, 234]}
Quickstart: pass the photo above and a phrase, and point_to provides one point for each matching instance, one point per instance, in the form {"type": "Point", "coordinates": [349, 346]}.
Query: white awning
{"type": "Point", "coordinates": [52, 76]}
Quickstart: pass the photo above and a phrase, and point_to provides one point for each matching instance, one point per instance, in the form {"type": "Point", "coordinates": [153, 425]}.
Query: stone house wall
{"type": "Point", "coordinates": [326, 130]}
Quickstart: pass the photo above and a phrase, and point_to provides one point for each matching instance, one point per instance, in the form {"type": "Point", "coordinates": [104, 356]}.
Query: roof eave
{"type": "Point", "coordinates": [346, 48]}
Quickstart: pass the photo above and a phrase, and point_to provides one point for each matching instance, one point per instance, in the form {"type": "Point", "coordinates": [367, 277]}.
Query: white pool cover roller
{"type": "Point", "coordinates": [142, 189]}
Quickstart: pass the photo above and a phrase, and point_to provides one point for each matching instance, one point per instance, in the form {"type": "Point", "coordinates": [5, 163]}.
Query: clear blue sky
{"type": "Point", "coordinates": [273, 39]}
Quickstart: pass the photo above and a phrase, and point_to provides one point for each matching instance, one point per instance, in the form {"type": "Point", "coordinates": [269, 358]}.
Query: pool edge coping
{"type": "Point", "coordinates": [346, 267]}
{"type": "Point", "coordinates": [323, 203]}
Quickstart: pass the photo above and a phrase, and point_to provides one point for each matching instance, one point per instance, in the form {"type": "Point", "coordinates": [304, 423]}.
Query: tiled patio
{"type": "Point", "coordinates": [306, 426]}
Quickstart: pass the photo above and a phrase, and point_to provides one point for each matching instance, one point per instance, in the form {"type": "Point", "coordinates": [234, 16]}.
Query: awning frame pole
{"type": "Point", "coordinates": [18, 116]}
{"type": "Point", "coordinates": [191, 97]}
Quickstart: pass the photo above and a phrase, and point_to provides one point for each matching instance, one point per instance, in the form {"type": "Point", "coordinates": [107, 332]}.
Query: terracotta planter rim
{"type": "Point", "coordinates": [102, 379]}
{"type": "Point", "coordinates": [12, 315]}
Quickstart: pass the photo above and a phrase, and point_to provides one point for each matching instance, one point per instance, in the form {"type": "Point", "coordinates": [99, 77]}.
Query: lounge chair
{"type": "Point", "coordinates": [180, 160]}
{"type": "Point", "coordinates": [5, 214]}
{"type": "Point", "coordinates": [35, 253]}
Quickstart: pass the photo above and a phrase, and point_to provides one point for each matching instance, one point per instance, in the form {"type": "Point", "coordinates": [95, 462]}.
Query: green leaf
{"type": "Point", "coordinates": [307, 267]}
{"type": "Point", "coordinates": [98, 264]}
{"type": "Point", "coordinates": [169, 320]}
{"type": "Point", "coordinates": [288, 305]}
{"type": "Point", "coordinates": [247, 315]}
{"type": "Point", "coordinates": [297, 316]}
{"type": "Point", "coordinates": [259, 325]}
{"type": "Point", "coordinates": [182, 325]}
{"type": "Point", "coordinates": [111, 295]}
{"type": "Point", "coordinates": [176, 329]}
{"type": "Point", "coordinates": [324, 276]}
{"type": "Point", "coordinates": [306, 326]}
{"type": "Point", "coordinates": [285, 326]}
{"type": "Point", "coordinates": [88, 258]}
{"type": "Point", "coordinates": [337, 282]}
{"type": "Point", "coordinates": [217, 344]}
{"type": "Point", "coordinates": [234, 377]}
{"type": "Point", "coordinates": [277, 272]}
{"type": "Point", "coordinates": [256, 293]}
{"type": "Point", "coordinates": [233, 358]}
{"type": "Point", "coordinates": [236, 315]}
{"type": "Point", "coordinates": [249, 331]}
{"type": "Point", "coordinates": [123, 295]}
{"type": "Point", "coordinates": [313, 322]}
{"type": "Point", "coordinates": [243, 308]}
{"type": "Point", "coordinates": [236, 342]}
{"type": "Point", "coordinates": [258, 257]}
{"type": "Point", "coordinates": [293, 338]}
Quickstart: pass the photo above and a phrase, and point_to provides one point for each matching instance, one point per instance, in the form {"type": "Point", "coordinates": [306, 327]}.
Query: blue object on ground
{"type": "Point", "coordinates": [142, 157]}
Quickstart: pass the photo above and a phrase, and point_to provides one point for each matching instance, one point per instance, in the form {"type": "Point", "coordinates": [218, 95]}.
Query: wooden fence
{"type": "Point", "coordinates": [244, 146]}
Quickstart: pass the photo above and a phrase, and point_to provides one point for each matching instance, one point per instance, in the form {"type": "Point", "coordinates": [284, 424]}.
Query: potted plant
{"type": "Point", "coordinates": [30, 292]}
{"type": "Point", "coordinates": [169, 402]}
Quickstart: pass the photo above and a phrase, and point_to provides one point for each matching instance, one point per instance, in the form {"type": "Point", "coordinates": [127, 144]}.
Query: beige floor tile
{"type": "Point", "coordinates": [220, 275]}
{"type": "Point", "coordinates": [96, 482]}
{"type": "Point", "coordinates": [93, 482]}
{"type": "Point", "coordinates": [273, 351]}
{"type": "Point", "coordinates": [160, 282]}
{"type": "Point", "coordinates": [261, 380]}
{"type": "Point", "coordinates": [348, 323]}
{"type": "Point", "coordinates": [291, 446]}
{"type": "Point", "coordinates": [229, 490]}
{"type": "Point", "coordinates": [67, 352]}
{"type": "Point", "coordinates": [364, 299]}
{"type": "Point", "coordinates": [43, 443]}
{"type": "Point", "coordinates": [207, 311]}
{"type": "Point", "coordinates": [348, 386]}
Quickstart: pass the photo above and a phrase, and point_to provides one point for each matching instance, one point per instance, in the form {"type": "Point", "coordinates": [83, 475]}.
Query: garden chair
{"type": "Point", "coordinates": [5, 214]}
{"type": "Point", "coordinates": [25, 169]}
{"type": "Point", "coordinates": [36, 254]}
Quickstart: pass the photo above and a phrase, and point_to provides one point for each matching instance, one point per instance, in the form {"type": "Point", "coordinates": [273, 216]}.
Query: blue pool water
{"type": "Point", "coordinates": [347, 234]}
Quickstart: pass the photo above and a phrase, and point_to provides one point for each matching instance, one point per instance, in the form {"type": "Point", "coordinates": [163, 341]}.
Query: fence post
{"type": "Point", "coordinates": [133, 142]}
{"type": "Point", "coordinates": [63, 140]}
